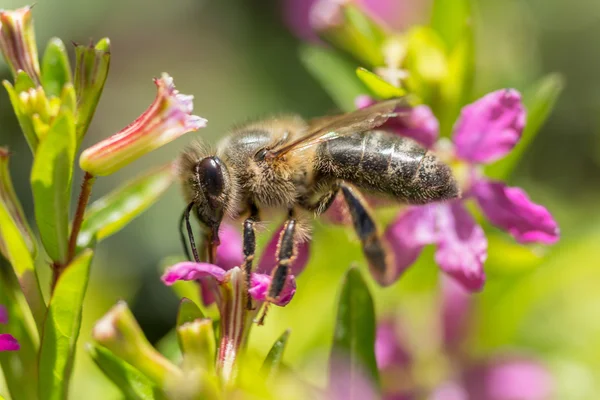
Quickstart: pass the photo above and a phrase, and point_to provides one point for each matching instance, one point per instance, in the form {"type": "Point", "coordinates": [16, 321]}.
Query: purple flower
{"type": "Point", "coordinates": [229, 255]}
{"type": "Point", "coordinates": [485, 132]}
{"type": "Point", "coordinates": [7, 341]}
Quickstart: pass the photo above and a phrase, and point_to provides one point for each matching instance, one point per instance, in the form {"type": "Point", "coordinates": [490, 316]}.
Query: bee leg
{"type": "Point", "coordinates": [374, 248]}
{"type": "Point", "coordinates": [286, 252]}
{"type": "Point", "coordinates": [185, 217]}
{"type": "Point", "coordinates": [322, 204]}
{"type": "Point", "coordinates": [249, 241]}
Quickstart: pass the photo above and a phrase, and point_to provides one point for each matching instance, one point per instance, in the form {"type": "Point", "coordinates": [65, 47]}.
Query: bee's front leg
{"type": "Point", "coordinates": [286, 253]}
{"type": "Point", "coordinates": [185, 219]}
{"type": "Point", "coordinates": [249, 243]}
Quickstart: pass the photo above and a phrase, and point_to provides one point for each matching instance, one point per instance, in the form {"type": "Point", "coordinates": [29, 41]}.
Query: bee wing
{"type": "Point", "coordinates": [328, 128]}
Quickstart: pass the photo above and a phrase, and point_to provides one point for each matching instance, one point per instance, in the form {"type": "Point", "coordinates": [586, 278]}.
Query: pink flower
{"type": "Point", "coordinates": [167, 118]}
{"type": "Point", "coordinates": [230, 255]}
{"type": "Point", "coordinates": [486, 131]}
{"type": "Point", "coordinates": [7, 341]}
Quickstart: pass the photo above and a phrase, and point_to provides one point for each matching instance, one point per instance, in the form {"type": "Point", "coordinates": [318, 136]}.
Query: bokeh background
{"type": "Point", "coordinates": [239, 59]}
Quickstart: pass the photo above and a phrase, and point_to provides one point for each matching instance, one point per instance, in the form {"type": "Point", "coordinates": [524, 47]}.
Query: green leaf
{"type": "Point", "coordinates": [23, 117]}
{"type": "Point", "coordinates": [23, 82]}
{"type": "Point", "coordinates": [91, 71]}
{"type": "Point", "coordinates": [354, 335]}
{"type": "Point", "coordinates": [133, 384]}
{"type": "Point", "coordinates": [335, 73]}
{"type": "Point", "coordinates": [539, 101]}
{"type": "Point", "coordinates": [61, 328]}
{"type": "Point", "coordinates": [114, 211]}
{"type": "Point", "coordinates": [188, 312]}
{"type": "Point", "coordinates": [274, 358]}
{"type": "Point", "coordinates": [379, 87]}
{"type": "Point", "coordinates": [450, 18]}
{"type": "Point", "coordinates": [51, 177]}
{"type": "Point", "coordinates": [20, 258]}
{"type": "Point", "coordinates": [56, 70]}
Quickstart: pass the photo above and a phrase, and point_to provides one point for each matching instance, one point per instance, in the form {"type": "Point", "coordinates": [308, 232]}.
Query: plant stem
{"type": "Point", "coordinates": [84, 198]}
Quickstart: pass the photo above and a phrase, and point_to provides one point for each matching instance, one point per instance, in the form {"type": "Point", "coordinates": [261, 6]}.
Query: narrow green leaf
{"type": "Point", "coordinates": [335, 73]}
{"type": "Point", "coordinates": [133, 384]}
{"type": "Point", "coordinates": [91, 71]}
{"type": "Point", "coordinates": [379, 87]}
{"type": "Point", "coordinates": [449, 18]}
{"type": "Point", "coordinates": [23, 82]}
{"type": "Point", "coordinates": [274, 358]}
{"type": "Point", "coordinates": [20, 258]}
{"type": "Point", "coordinates": [24, 119]}
{"type": "Point", "coordinates": [51, 177]}
{"type": "Point", "coordinates": [188, 312]}
{"type": "Point", "coordinates": [354, 335]}
{"type": "Point", "coordinates": [56, 70]}
{"type": "Point", "coordinates": [114, 211]}
{"type": "Point", "coordinates": [539, 101]}
{"type": "Point", "coordinates": [61, 328]}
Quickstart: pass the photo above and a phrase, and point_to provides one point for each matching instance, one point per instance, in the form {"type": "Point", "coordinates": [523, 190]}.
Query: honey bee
{"type": "Point", "coordinates": [297, 166]}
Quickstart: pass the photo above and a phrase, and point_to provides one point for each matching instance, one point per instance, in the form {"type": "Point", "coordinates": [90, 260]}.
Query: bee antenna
{"type": "Point", "coordinates": [185, 217]}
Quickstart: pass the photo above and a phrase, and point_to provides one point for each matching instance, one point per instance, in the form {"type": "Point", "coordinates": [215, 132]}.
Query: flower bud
{"type": "Point", "coordinates": [9, 201]}
{"type": "Point", "coordinates": [346, 27]}
{"type": "Point", "coordinates": [119, 332]}
{"type": "Point", "coordinates": [197, 341]}
{"type": "Point", "coordinates": [17, 42]}
{"type": "Point", "coordinates": [167, 118]}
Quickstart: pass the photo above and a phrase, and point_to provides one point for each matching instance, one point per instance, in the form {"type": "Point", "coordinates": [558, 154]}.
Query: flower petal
{"type": "Point", "coordinates": [389, 351]}
{"type": "Point", "coordinates": [510, 379]}
{"type": "Point", "coordinates": [490, 127]}
{"type": "Point", "coordinates": [259, 284]}
{"type": "Point", "coordinates": [8, 342]}
{"type": "Point", "coordinates": [511, 209]}
{"type": "Point", "coordinates": [268, 260]}
{"type": "Point", "coordinates": [191, 271]}
{"type": "Point", "coordinates": [456, 307]}
{"type": "Point", "coordinates": [462, 245]}
{"type": "Point", "coordinates": [417, 123]}
{"type": "Point", "coordinates": [411, 231]}
{"type": "Point", "coordinates": [167, 118]}
{"type": "Point", "coordinates": [230, 252]}
{"type": "Point", "coordinates": [450, 391]}
{"type": "Point", "coordinates": [3, 315]}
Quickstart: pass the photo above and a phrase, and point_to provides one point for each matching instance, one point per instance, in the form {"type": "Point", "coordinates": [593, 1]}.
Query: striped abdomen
{"type": "Point", "coordinates": [384, 162]}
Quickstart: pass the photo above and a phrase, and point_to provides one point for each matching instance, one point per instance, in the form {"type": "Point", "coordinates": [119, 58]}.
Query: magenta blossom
{"type": "Point", "coordinates": [486, 131]}
{"type": "Point", "coordinates": [229, 255]}
{"type": "Point", "coordinates": [507, 376]}
{"type": "Point", "coordinates": [7, 341]}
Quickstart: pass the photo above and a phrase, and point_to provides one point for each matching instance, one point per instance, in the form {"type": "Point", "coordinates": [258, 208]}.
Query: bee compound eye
{"type": "Point", "coordinates": [210, 175]}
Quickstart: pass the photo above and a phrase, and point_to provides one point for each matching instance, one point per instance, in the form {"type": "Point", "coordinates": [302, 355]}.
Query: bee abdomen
{"type": "Point", "coordinates": [392, 165]}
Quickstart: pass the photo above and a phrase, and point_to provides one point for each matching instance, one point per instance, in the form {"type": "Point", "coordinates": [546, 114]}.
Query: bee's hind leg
{"type": "Point", "coordinates": [249, 244]}
{"type": "Point", "coordinates": [379, 257]}
{"type": "Point", "coordinates": [286, 253]}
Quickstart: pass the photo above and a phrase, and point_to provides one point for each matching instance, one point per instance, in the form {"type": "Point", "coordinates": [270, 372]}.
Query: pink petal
{"type": "Point", "coordinates": [389, 351]}
{"type": "Point", "coordinates": [411, 231]}
{"type": "Point", "coordinates": [462, 245]}
{"type": "Point", "coordinates": [191, 271]}
{"type": "Point", "coordinates": [296, 16]}
{"type": "Point", "coordinates": [230, 252]}
{"type": "Point", "coordinates": [511, 209]}
{"type": "Point", "coordinates": [259, 284]}
{"type": "Point", "coordinates": [450, 391]}
{"type": "Point", "coordinates": [456, 308]}
{"type": "Point", "coordinates": [510, 379]}
{"type": "Point", "coordinates": [8, 343]}
{"type": "Point", "coordinates": [268, 260]}
{"type": "Point", "coordinates": [490, 127]}
{"type": "Point", "coordinates": [3, 315]}
{"type": "Point", "coordinates": [417, 123]}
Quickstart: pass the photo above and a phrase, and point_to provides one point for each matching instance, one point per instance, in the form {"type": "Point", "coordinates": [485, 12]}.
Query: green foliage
{"type": "Point", "coordinates": [378, 86]}
{"type": "Point", "coordinates": [56, 70]}
{"type": "Point", "coordinates": [354, 335]}
{"type": "Point", "coordinates": [131, 382]}
{"type": "Point", "coordinates": [51, 177]}
{"type": "Point", "coordinates": [274, 358]}
{"type": "Point", "coordinates": [61, 328]}
{"type": "Point", "coordinates": [111, 213]}
{"type": "Point", "coordinates": [450, 19]}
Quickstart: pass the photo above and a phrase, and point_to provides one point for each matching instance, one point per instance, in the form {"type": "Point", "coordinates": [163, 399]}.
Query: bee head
{"type": "Point", "coordinates": [213, 193]}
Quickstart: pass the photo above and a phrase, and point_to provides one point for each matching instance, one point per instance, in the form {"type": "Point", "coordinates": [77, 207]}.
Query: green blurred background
{"type": "Point", "coordinates": [239, 60]}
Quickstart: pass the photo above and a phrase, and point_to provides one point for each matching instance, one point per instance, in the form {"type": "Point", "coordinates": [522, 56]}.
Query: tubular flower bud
{"type": "Point", "coordinates": [17, 42]}
{"type": "Point", "coordinates": [167, 118]}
